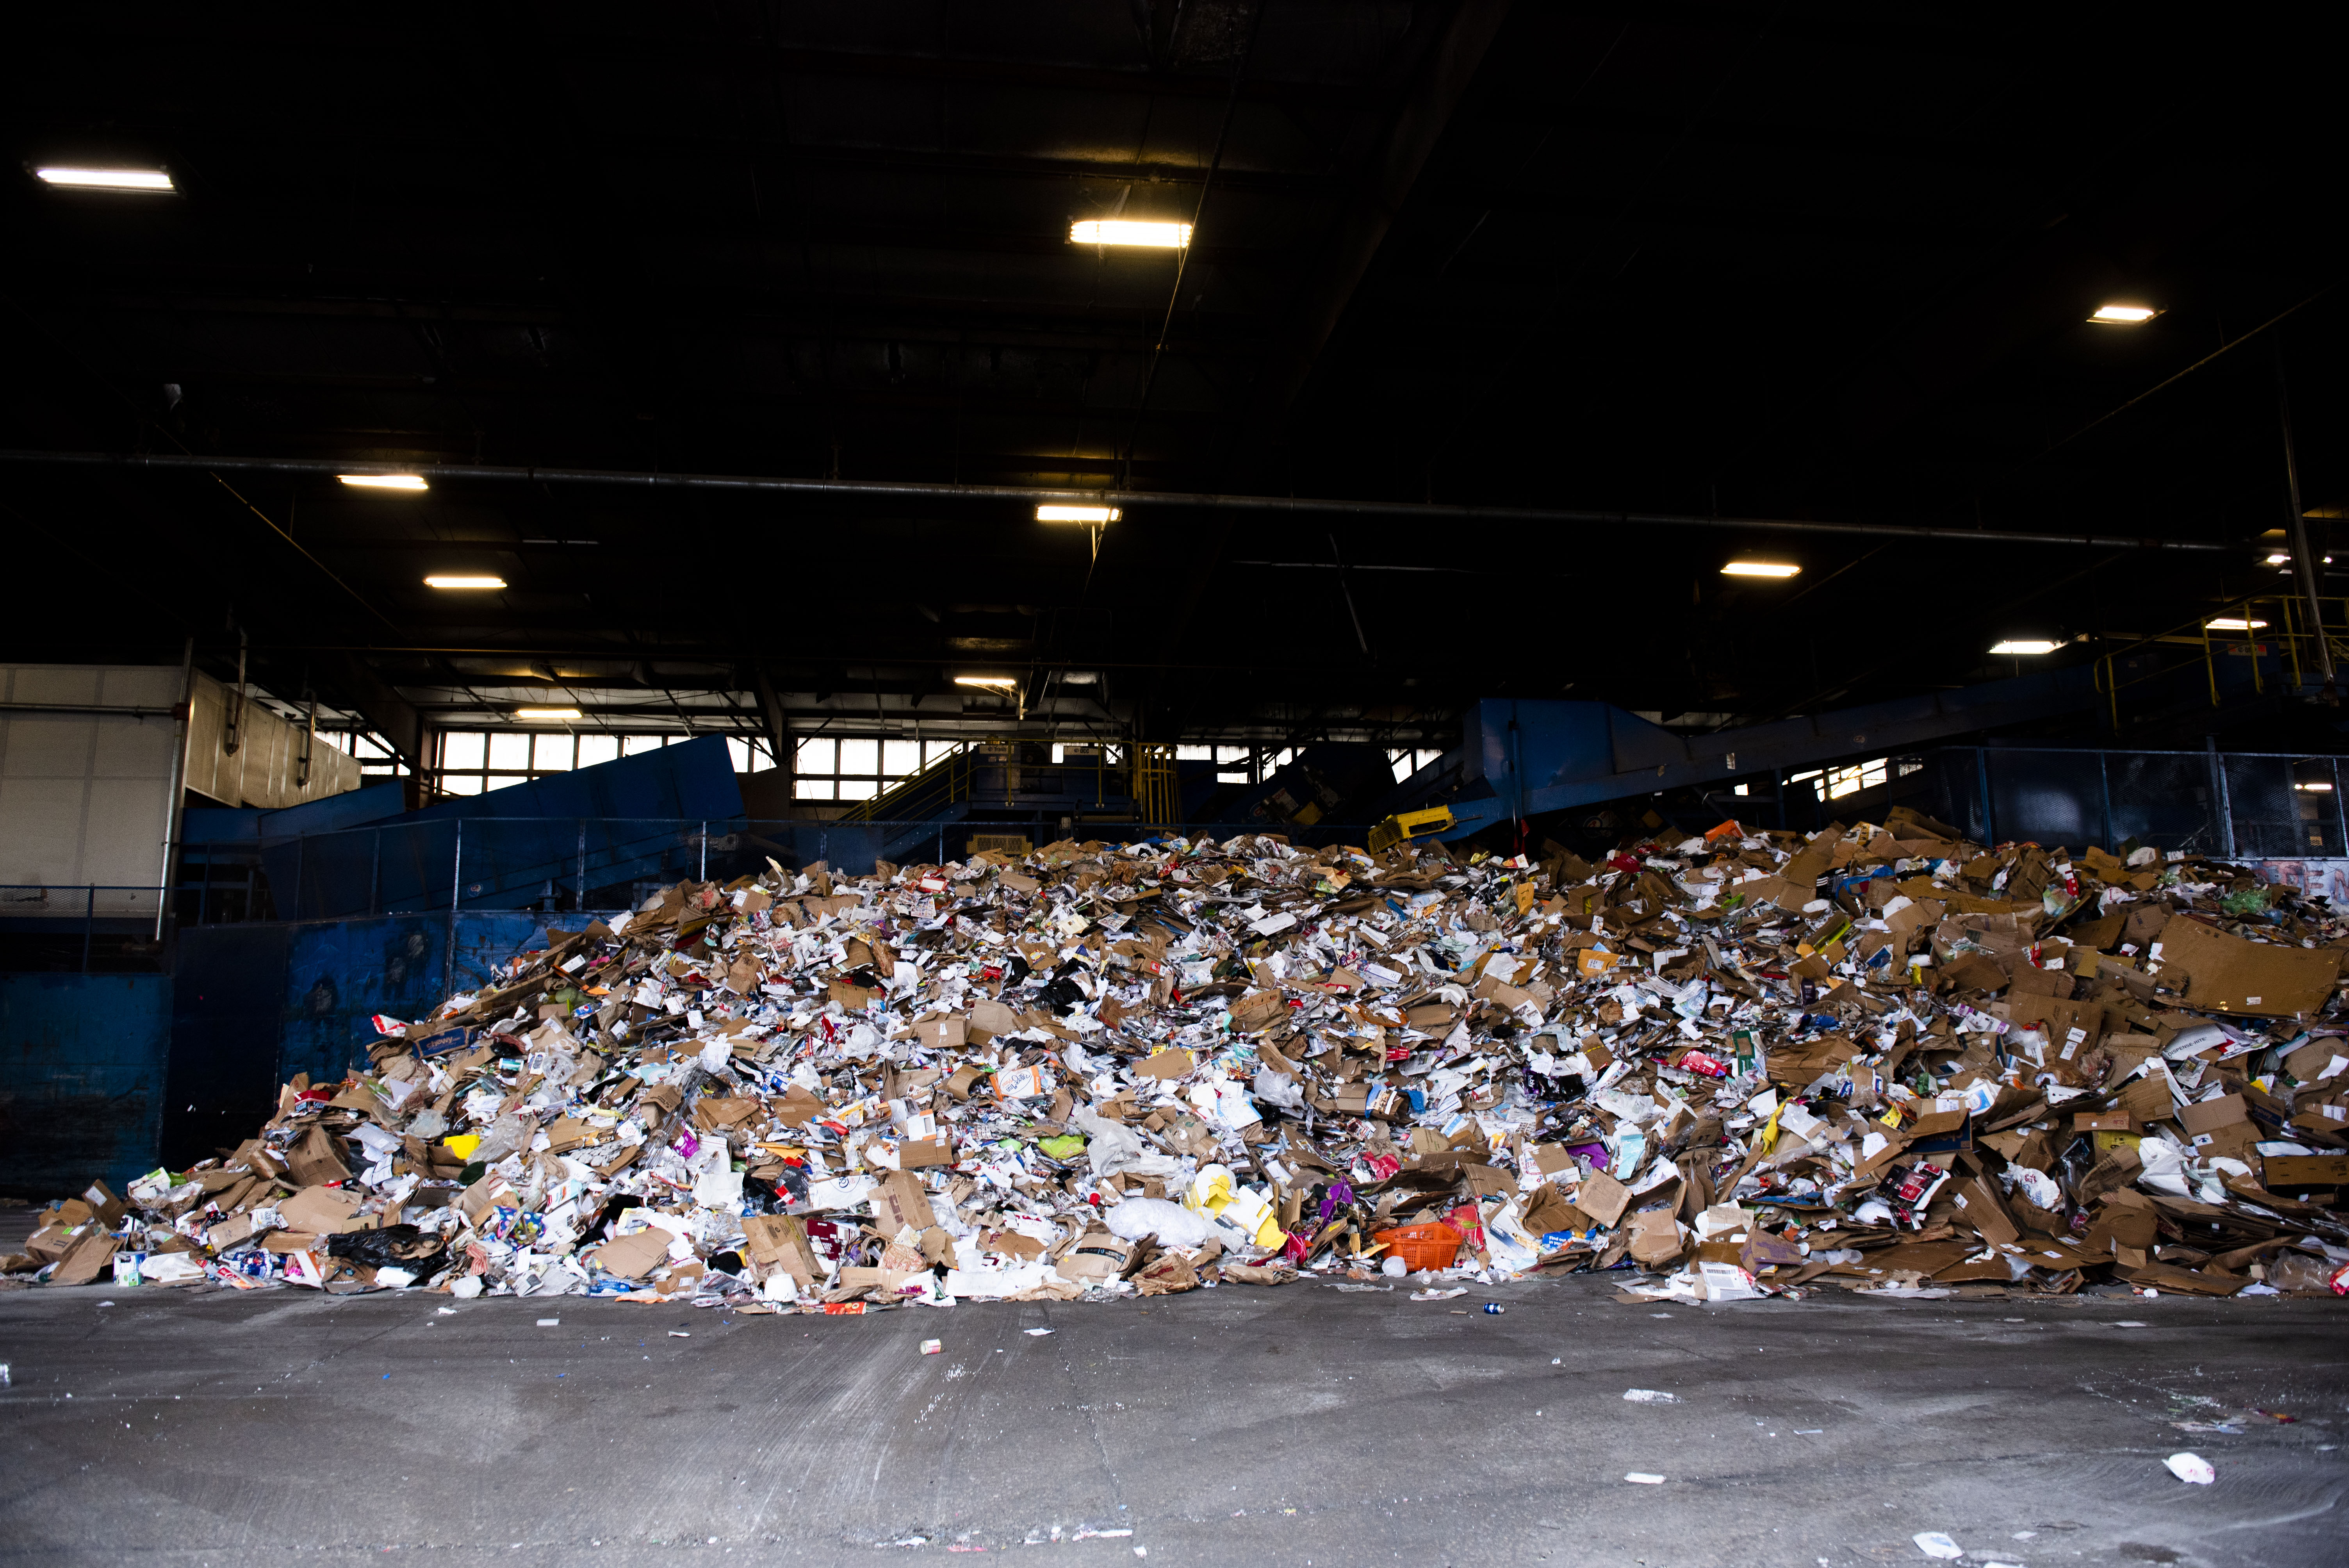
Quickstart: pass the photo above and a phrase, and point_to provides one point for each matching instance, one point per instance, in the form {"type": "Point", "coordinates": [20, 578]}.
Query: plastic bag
{"type": "Point", "coordinates": [1171, 1224]}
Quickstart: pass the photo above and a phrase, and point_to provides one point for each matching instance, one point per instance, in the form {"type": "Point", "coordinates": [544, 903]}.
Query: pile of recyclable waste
{"type": "Point", "coordinates": [1736, 1065]}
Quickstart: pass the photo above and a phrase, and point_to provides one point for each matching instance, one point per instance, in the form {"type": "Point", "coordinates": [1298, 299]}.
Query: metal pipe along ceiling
{"type": "Point", "coordinates": [1301, 506]}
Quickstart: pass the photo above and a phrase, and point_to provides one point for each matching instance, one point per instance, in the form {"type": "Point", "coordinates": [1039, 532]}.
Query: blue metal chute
{"type": "Point", "coordinates": [636, 817]}
{"type": "Point", "coordinates": [1519, 759]}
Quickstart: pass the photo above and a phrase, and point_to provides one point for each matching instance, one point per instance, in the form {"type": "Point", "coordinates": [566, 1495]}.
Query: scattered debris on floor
{"type": "Point", "coordinates": [1740, 1065]}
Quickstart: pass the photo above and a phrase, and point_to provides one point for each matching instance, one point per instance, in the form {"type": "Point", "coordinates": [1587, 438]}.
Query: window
{"type": "Point", "coordinates": [1850, 780]}
{"type": "Point", "coordinates": [473, 761]}
{"type": "Point", "coordinates": [859, 767]}
{"type": "Point", "coordinates": [373, 753]}
{"type": "Point", "coordinates": [1407, 763]}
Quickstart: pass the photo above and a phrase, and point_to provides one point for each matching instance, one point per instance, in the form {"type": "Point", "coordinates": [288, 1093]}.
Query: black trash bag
{"type": "Point", "coordinates": [795, 1183]}
{"type": "Point", "coordinates": [391, 1247]}
{"type": "Point", "coordinates": [1062, 994]}
{"type": "Point", "coordinates": [619, 1205]}
{"type": "Point", "coordinates": [766, 1198]}
{"type": "Point", "coordinates": [1016, 972]}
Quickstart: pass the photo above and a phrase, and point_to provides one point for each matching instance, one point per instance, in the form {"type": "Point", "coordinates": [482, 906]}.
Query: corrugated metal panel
{"type": "Point", "coordinates": [85, 797]}
{"type": "Point", "coordinates": [267, 760]}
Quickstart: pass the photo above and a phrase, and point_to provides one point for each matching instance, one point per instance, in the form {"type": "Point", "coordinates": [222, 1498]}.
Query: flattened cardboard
{"type": "Point", "coordinates": [1603, 1197]}
{"type": "Point", "coordinates": [322, 1210]}
{"type": "Point", "coordinates": [633, 1257]}
{"type": "Point", "coordinates": [900, 1203]}
{"type": "Point", "coordinates": [2227, 975]}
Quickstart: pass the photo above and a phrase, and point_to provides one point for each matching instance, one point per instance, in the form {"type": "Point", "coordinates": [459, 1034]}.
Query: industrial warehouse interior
{"type": "Point", "coordinates": [1439, 781]}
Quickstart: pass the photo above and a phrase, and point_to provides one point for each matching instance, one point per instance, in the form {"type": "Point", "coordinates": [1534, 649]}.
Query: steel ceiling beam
{"type": "Point", "coordinates": [1029, 495]}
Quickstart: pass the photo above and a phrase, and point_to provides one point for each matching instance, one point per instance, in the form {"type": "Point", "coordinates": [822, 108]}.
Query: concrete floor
{"type": "Point", "coordinates": [1301, 1426]}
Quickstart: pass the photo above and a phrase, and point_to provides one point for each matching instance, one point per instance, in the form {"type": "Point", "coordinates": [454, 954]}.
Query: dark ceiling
{"type": "Point", "coordinates": [1803, 261]}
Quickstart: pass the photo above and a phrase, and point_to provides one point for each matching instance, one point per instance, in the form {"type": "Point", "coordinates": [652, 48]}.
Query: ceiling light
{"type": "Point", "coordinates": [1093, 514]}
{"type": "Point", "coordinates": [2280, 559]}
{"type": "Point", "coordinates": [2124, 315]}
{"type": "Point", "coordinates": [1759, 569]}
{"type": "Point", "coordinates": [1003, 683]}
{"type": "Point", "coordinates": [446, 581]}
{"type": "Point", "coordinates": [385, 481]}
{"type": "Point", "coordinates": [2232, 623]}
{"type": "Point", "coordinates": [2315, 788]}
{"type": "Point", "coordinates": [153, 179]}
{"type": "Point", "coordinates": [547, 713]}
{"type": "Point", "coordinates": [2025, 645]}
{"type": "Point", "coordinates": [1119, 232]}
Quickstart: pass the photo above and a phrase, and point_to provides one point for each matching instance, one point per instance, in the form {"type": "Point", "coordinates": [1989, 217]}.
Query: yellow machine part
{"type": "Point", "coordinates": [1409, 825]}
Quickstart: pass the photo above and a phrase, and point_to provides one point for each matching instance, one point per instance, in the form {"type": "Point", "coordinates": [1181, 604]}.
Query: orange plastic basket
{"type": "Point", "coordinates": [1421, 1246]}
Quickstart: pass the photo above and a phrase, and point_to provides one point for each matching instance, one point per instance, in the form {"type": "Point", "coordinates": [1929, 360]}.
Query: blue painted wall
{"type": "Point", "coordinates": [111, 1075]}
{"type": "Point", "coordinates": [339, 973]}
{"type": "Point", "coordinates": [82, 1061]}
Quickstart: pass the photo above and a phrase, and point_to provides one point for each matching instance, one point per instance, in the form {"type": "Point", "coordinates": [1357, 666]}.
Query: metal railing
{"type": "Point", "coordinates": [955, 779]}
{"type": "Point", "coordinates": [2234, 804]}
{"type": "Point", "coordinates": [58, 928]}
{"type": "Point", "coordinates": [571, 864]}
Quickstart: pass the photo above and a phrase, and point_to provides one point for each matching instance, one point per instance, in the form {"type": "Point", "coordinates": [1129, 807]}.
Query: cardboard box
{"type": "Point", "coordinates": [901, 1203]}
{"type": "Point", "coordinates": [1985, 1209]}
{"type": "Point", "coordinates": [1603, 1197]}
{"type": "Point", "coordinates": [1655, 1238]}
{"type": "Point", "coordinates": [2284, 1172]}
{"type": "Point", "coordinates": [779, 1243]}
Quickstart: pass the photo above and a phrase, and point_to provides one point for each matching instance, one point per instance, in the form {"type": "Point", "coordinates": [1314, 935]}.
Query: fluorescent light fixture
{"type": "Point", "coordinates": [2025, 645]}
{"type": "Point", "coordinates": [2232, 624]}
{"type": "Point", "coordinates": [1121, 232]}
{"type": "Point", "coordinates": [1759, 569]}
{"type": "Point", "coordinates": [447, 579]}
{"type": "Point", "coordinates": [998, 683]}
{"type": "Point", "coordinates": [2124, 315]}
{"type": "Point", "coordinates": [2280, 559]}
{"type": "Point", "coordinates": [2315, 788]}
{"type": "Point", "coordinates": [385, 482]}
{"type": "Point", "coordinates": [108, 179]}
{"type": "Point", "coordinates": [1093, 514]}
{"type": "Point", "coordinates": [547, 713]}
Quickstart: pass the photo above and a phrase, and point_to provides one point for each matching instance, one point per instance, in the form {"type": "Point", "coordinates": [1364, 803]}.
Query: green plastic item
{"type": "Point", "coordinates": [1068, 1146]}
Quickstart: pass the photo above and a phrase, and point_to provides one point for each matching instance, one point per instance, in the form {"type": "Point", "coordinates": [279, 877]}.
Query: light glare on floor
{"type": "Point", "coordinates": [547, 713]}
{"type": "Point", "coordinates": [2025, 645]}
{"type": "Point", "coordinates": [1759, 569]}
{"type": "Point", "coordinates": [2124, 315]}
{"type": "Point", "coordinates": [2232, 624]}
{"type": "Point", "coordinates": [446, 581]}
{"type": "Point", "coordinates": [108, 179]}
{"type": "Point", "coordinates": [385, 482]}
{"type": "Point", "coordinates": [1094, 514]}
{"type": "Point", "coordinates": [1123, 232]}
